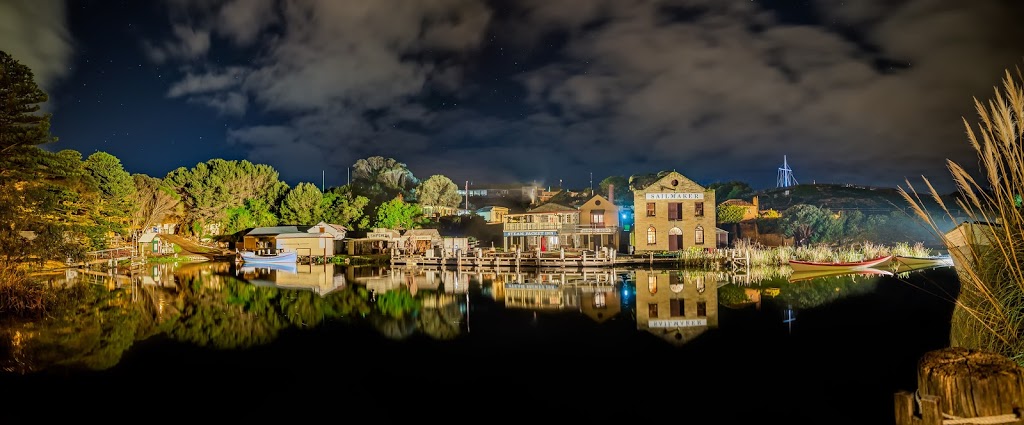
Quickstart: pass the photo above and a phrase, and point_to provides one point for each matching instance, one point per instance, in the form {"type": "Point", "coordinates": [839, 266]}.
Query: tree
{"type": "Point", "coordinates": [731, 190]}
{"type": "Point", "coordinates": [303, 205]}
{"type": "Point", "coordinates": [729, 213]}
{"type": "Point", "coordinates": [255, 213]}
{"type": "Point", "coordinates": [398, 214]}
{"type": "Point", "coordinates": [154, 201]}
{"type": "Point", "coordinates": [379, 179]}
{"type": "Point", "coordinates": [20, 124]}
{"type": "Point", "coordinates": [343, 207]}
{"type": "Point", "coordinates": [438, 190]}
{"type": "Point", "coordinates": [807, 223]}
{"type": "Point", "coordinates": [211, 189]}
{"type": "Point", "coordinates": [620, 188]}
{"type": "Point", "coordinates": [42, 192]}
{"type": "Point", "coordinates": [117, 191]}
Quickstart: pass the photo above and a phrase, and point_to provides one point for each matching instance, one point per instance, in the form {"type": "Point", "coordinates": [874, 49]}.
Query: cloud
{"type": "Point", "coordinates": [865, 92]}
{"type": "Point", "coordinates": [733, 85]}
{"type": "Point", "coordinates": [188, 43]}
{"type": "Point", "coordinates": [196, 83]}
{"type": "Point", "coordinates": [346, 77]}
{"type": "Point", "coordinates": [35, 33]}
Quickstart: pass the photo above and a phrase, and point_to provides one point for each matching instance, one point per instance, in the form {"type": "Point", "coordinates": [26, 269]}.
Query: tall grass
{"type": "Point", "coordinates": [989, 311]}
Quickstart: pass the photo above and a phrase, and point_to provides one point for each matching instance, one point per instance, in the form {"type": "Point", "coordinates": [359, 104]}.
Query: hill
{"type": "Point", "coordinates": [868, 200]}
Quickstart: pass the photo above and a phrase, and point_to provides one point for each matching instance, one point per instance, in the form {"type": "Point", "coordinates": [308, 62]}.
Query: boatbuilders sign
{"type": "Point", "coordinates": [673, 195]}
{"type": "Point", "coordinates": [677, 323]}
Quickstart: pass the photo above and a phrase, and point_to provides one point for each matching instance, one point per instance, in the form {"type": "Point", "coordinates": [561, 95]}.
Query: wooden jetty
{"type": "Point", "coordinates": [480, 258]}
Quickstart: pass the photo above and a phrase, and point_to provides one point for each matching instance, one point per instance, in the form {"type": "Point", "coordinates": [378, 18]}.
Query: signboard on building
{"type": "Point", "coordinates": [597, 230]}
{"type": "Point", "coordinates": [673, 196]}
{"type": "Point", "coordinates": [542, 286]}
{"type": "Point", "coordinates": [378, 235]}
{"type": "Point", "coordinates": [677, 323]}
{"type": "Point", "coordinates": [533, 233]}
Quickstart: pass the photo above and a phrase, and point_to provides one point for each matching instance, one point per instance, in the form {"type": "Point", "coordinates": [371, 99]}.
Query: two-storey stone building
{"type": "Point", "coordinates": [671, 212]}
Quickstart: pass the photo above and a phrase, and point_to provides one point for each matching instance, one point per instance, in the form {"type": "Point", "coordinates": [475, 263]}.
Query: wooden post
{"type": "Point", "coordinates": [955, 385]}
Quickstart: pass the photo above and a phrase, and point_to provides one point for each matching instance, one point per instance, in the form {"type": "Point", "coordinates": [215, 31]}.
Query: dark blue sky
{"type": "Point", "coordinates": [865, 92]}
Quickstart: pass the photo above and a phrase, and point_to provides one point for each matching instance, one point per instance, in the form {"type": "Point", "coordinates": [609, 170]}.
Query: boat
{"type": "Point", "coordinates": [837, 266]}
{"type": "Point", "coordinates": [289, 257]}
{"type": "Point", "coordinates": [904, 261]}
{"type": "Point", "coordinates": [800, 276]}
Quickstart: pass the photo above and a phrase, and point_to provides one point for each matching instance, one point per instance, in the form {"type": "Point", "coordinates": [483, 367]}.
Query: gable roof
{"type": "Point", "coordinates": [642, 181]}
{"type": "Point", "coordinates": [550, 207]}
{"type": "Point", "coordinates": [422, 232]}
{"type": "Point", "coordinates": [147, 237]}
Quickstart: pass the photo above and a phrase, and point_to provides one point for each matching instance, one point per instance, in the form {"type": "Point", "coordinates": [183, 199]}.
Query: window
{"type": "Point", "coordinates": [650, 209]}
{"type": "Point", "coordinates": [702, 308]}
{"type": "Point", "coordinates": [652, 310]}
{"type": "Point", "coordinates": [652, 284]}
{"type": "Point", "coordinates": [652, 236]}
{"type": "Point", "coordinates": [678, 307]}
{"type": "Point", "coordinates": [698, 209]}
{"type": "Point", "coordinates": [599, 300]}
{"type": "Point", "coordinates": [698, 236]}
{"type": "Point", "coordinates": [597, 218]}
{"type": "Point", "coordinates": [675, 211]}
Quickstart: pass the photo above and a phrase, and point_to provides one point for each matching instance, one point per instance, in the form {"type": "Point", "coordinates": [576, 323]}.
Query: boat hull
{"type": "Point", "coordinates": [282, 258]}
{"type": "Point", "coordinates": [798, 266]}
{"type": "Point", "coordinates": [800, 276]}
{"type": "Point", "coordinates": [939, 260]}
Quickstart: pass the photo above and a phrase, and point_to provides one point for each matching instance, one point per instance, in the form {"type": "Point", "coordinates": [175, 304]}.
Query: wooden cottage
{"type": "Point", "coordinates": [149, 244]}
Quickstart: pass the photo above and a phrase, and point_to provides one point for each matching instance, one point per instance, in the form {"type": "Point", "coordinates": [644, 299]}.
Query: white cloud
{"type": "Point", "coordinates": [35, 33]}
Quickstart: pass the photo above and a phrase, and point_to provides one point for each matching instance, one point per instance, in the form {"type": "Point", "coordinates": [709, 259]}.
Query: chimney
{"type": "Point", "coordinates": [611, 193]}
{"type": "Point", "coordinates": [757, 207]}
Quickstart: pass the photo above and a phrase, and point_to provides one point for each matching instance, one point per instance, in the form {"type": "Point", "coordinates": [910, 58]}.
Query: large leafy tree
{"type": "Point", "coordinates": [398, 214]}
{"type": "Point", "coordinates": [117, 191]}
{"type": "Point", "coordinates": [210, 190]}
{"type": "Point", "coordinates": [303, 205]}
{"type": "Point", "coordinates": [255, 213]}
{"type": "Point", "coordinates": [438, 190]}
{"type": "Point", "coordinates": [379, 179]}
{"type": "Point", "coordinates": [343, 207]}
{"type": "Point", "coordinates": [810, 224]}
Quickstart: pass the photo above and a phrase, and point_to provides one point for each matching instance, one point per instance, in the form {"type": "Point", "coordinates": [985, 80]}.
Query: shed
{"type": "Point", "coordinates": [721, 238]}
{"type": "Point", "coordinates": [379, 241]}
{"type": "Point", "coordinates": [149, 243]}
{"type": "Point", "coordinates": [418, 241]}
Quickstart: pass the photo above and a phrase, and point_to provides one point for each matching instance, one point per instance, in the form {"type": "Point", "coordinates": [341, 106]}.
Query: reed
{"type": "Point", "coordinates": [989, 311]}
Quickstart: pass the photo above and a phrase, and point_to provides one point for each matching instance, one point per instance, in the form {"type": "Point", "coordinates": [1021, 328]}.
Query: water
{"type": "Point", "coordinates": [684, 345]}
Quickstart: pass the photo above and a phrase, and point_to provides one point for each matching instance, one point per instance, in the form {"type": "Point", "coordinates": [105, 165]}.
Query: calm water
{"type": "Point", "coordinates": [689, 346]}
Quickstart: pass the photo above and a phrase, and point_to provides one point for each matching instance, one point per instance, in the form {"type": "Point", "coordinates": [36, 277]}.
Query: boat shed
{"type": "Point", "coordinates": [379, 241]}
{"type": "Point", "coordinates": [296, 239]}
{"type": "Point", "coordinates": [419, 241]}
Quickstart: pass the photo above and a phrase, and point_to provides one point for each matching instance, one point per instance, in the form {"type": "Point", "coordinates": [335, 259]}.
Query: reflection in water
{"type": "Point", "coordinates": [219, 305]}
{"type": "Point", "coordinates": [677, 305]}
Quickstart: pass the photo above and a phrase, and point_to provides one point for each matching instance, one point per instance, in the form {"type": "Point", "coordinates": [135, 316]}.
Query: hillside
{"type": "Point", "coordinates": [869, 200]}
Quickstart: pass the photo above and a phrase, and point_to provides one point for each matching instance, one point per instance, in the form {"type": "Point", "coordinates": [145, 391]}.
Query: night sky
{"type": "Point", "coordinates": [868, 92]}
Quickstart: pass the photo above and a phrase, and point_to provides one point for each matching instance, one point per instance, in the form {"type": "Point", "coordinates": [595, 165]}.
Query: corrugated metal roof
{"type": "Point", "coordinates": [275, 230]}
{"type": "Point", "coordinates": [148, 237]}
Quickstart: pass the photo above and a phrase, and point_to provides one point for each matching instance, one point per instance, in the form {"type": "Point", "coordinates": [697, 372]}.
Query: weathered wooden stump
{"type": "Point", "coordinates": [963, 386]}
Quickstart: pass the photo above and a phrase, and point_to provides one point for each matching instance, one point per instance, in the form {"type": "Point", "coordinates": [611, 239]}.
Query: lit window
{"type": "Point", "coordinates": [650, 209]}
{"type": "Point", "coordinates": [698, 209]}
{"type": "Point", "coordinates": [698, 236]}
{"type": "Point", "coordinates": [652, 236]}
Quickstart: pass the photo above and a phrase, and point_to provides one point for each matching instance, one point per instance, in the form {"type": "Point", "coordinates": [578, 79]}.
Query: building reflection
{"type": "Point", "coordinates": [322, 279]}
{"type": "Point", "coordinates": [591, 292]}
{"type": "Point", "coordinates": [676, 305]}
